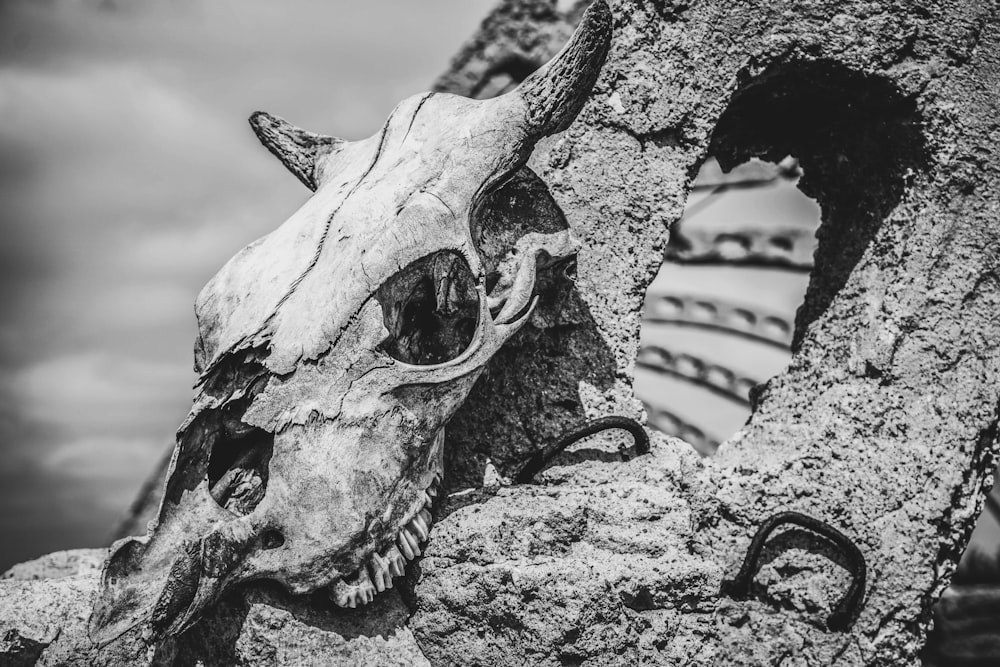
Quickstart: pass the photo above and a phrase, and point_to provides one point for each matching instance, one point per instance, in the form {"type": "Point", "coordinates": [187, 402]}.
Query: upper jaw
{"type": "Point", "coordinates": [378, 568]}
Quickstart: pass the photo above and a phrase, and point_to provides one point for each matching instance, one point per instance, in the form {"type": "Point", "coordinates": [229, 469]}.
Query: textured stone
{"type": "Point", "coordinates": [884, 423]}
{"type": "Point", "coordinates": [586, 566]}
{"type": "Point", "coordinates": [58, 565]}
{"type": "Point", "coordinates": [265, 627]}
{"type": "Point", "coordinates": [44, 607]}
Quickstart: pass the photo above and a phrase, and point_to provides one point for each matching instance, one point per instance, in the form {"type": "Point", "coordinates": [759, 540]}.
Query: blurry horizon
{"type": "Point", "coordinates": [129, 176]}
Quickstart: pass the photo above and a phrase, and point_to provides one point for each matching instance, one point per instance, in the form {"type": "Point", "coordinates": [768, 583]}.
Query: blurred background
{"type": "Point", "coordinates": [128, 177]}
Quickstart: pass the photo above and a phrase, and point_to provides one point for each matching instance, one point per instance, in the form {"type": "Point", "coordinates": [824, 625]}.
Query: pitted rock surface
{"type": "Point", "coordinates": [584, 566]}
{"type": "Point", "coordinates": [44, 611]}
{"type": "Point", "coordinates": [58, 564]}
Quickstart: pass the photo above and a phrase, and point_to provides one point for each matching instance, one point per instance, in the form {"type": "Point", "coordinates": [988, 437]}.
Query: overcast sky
{"type": "Point", "coordinates": [128, 176]}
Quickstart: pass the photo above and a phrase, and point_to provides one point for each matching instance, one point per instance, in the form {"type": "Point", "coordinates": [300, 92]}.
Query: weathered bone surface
{"type": "Point", "coordinates": [333, 352]}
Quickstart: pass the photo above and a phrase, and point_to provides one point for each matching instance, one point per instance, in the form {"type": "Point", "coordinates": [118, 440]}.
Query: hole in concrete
{"type": "Point", "coordinates": [718, 317]}
{"type": "Point", "coordinates": [504, 76]}
{"type": "Point", "coordinates": [751, 248]}
{"type": "Point", "coordinates": [857, 139]}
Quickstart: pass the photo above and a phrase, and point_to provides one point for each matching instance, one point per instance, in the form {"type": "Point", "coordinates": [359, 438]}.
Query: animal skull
{"type": "Point", "coordinates": [333, 351]}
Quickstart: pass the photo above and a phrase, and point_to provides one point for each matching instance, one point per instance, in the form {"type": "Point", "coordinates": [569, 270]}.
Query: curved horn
{"type": "Point", "coordinates": [555, 93]}
{"type": "Point", "coordinates": [297, 149]}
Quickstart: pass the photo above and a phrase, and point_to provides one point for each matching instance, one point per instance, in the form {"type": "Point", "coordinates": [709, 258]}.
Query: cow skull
{"type": "Point", "coordinates": [333, 351]}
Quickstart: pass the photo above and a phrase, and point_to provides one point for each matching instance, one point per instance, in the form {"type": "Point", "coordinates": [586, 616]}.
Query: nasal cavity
{"type": "Point", "coordinates": [430, 309]}
{"type": "Point", "coordinates": [238, 468]}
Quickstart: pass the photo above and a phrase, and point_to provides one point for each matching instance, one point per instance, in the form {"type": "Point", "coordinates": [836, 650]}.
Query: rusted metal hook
{"type": "Point", "coordinates": [846, 611]}
{"type": "Point", "coordinates": [541, 459]}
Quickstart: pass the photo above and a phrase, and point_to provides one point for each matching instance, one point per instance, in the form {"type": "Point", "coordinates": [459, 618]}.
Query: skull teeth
{"type": "Point", "coordinates": [379, 569]}
{"type": "Point", "coordinates": [408, 544]}
{"type": "Point", "coordinates": [397, 564]}
{"type": "Point", "coordinates": [357, 594]}
{"type": "Point", "coordinates": [376, 574]}
{"type": "Point", "coordinates": [418, 526]}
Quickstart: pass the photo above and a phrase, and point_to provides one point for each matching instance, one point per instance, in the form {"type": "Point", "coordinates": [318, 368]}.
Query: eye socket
{"type": "Point", "coordinates": [430, 309]}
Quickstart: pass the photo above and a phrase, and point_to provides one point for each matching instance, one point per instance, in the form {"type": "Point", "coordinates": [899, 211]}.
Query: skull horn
{"type": "Point", "coordinates": [555, 93]}
{"type": "Point", "coordinates": [297, 149]}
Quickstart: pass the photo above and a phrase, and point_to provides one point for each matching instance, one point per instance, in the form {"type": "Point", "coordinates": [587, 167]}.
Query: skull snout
{"type": "Point", "coordinates": [169, 586]}
{"type": "Point", "coordinates": [200, 574]}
